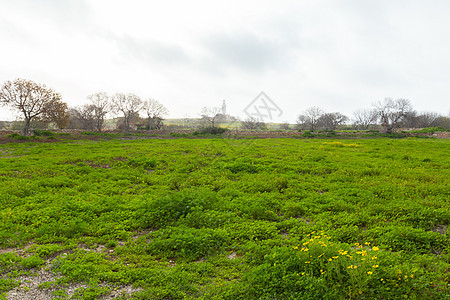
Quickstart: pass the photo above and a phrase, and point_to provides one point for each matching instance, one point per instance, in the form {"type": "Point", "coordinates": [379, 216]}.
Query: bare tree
{"type": "Point", "coordinates": [253, 123]}
{"type": "Point", "coordinates": [330, 121]}
{"type": "Point", "coordinates": [34, 101]}
{"type": "Point", "coordinates": [101, 105]}
{"type": "Point", "coordinates": [423, 120]}
{"type": "Point", "coordinates": [83, 117]}
{"type": "Point", "coordinates": [392, 113]}
{"type": "Point", "coordinates": [210, 116]}
{"type": "Point", "coordinates": [443, 122]}
{"type": "Point", "coordinates": [129, 105]}
{"type": "Point", "coordinates": [310, 117]}
{"type": "Point", "coordinates": [364, 118]}
{"type": "Point", "coordinates": [155, 112]}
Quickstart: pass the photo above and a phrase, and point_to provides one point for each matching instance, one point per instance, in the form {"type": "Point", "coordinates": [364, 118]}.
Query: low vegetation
{"type": "Point", "coordinates": [228, 218]}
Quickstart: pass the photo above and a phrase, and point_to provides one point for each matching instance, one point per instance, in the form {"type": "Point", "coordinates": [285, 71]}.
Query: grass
{"type": "Point", "coordinates": [232, 219]}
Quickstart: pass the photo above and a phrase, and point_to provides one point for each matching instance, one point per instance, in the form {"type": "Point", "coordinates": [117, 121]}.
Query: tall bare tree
{"type": "Point", "coordinates": [82, 117]}
{"type": "Point", "coordinates": [253, 123]}
{"type": "Point", "coordinates": [101, 106]}
{"type": "Point", "coordinates": [129, 105]}
{"type": "Point", "coordinates": [310, 118]}
{"type": "Point", "coordinates": [330, 121]}
{"type": "Point", "coordinates": [364, 118]}
{"type": "Point", "coordinates": [34, 101]}
{"type": "Point", "coordinates": [392, 113]}
{"type": "Point", "coordinates": [155, 112]}
{"type": "Point", "coordinates": [210, 116]}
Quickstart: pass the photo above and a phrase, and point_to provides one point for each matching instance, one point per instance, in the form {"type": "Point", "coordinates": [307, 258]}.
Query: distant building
{"type": "Point", "coordinates": [223, 117]}
{"type": "Point", "coordinates": [224, 108]}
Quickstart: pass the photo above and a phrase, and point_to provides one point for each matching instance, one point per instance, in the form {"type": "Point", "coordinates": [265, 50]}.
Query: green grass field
{"type": "Point", "coordinates": [229, 219]}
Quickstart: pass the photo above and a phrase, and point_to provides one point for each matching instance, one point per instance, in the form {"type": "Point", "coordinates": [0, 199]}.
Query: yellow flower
{"type": "Point", "coordinates": [375, 266]}
{"type": "Point", "coordinates": [320, 255]}
{"type": "Point", "coordinates": [374, 257]}
{"type": "Point", "coordinates": [295, 247]}
{"type": "Point", "coordinates": [375, 248]}
{"type": "Point", "coordinates": [370, 272]}
{"type": "Point", "coordinates": [307, 262]}
{"type": "Point", "coordinates": [330, 259]}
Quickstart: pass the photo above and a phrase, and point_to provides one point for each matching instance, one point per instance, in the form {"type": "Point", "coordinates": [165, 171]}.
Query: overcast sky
{"type": "Point", "coordinates": [340, 55]}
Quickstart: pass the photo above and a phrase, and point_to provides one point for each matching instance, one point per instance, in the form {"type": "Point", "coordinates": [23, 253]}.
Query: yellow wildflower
{"type": "Point", "coordinates": [375, 248]}
{"type": "Point", "coordinates": [370, 272]}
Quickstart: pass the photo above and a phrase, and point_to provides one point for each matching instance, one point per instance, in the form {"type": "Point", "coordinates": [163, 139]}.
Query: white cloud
{"type": "Point", "coordinates": [340, 55]}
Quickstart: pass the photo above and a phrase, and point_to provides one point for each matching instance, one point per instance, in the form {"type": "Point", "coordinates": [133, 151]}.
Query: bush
{"type": "Point", "coordinates": [38, 132]}
{"type": "Point", "coordinates": [213, 130]}
{"type": "Point", "coordinates": [308, 133]}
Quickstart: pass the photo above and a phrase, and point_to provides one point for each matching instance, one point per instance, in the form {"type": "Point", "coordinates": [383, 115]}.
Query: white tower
{"type": "Point", "coordinates": [224, 108]}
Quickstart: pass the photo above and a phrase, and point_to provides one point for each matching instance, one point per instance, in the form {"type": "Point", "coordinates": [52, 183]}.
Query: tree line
{"type": "Point", "coordinates": [38, 103]}
{"type": "Point", "coordinates": [389, 114]}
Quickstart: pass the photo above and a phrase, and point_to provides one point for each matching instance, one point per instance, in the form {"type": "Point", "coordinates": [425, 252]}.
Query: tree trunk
{"type": "Point", "coordinates": [99, 125]}
{"type": "Point", "coordinates": [26, 127]}
{"type": "Point", "coordinates": [126, 122]}
{"type": "Point", "coordinates": [150, 123]}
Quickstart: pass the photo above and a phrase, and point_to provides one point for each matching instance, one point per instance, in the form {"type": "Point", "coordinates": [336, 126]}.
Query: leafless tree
{"type": "Point", "coordinates": [253, 123]}
{"type": "Point", "coordinates": [364, 118]}
{"type": "Point", "coordinates": [422, 120]}
{"type": "Point", "coordinates": [309, 118]}
{"type": "Point", "coordinates": [82, 117]}
{"type": "Point", "coordinates": [330, 121]}
{"type": "Point", "coordinates": [155, 112]}
{"type": "Point", "coordinates": [129, 105]}
{"type": "Point", "coordinates": [392, 113]}
{"type": "Point", "coordinates": [443, 122]}
{"type": "Point", "coordinates": [210, 116]}
{"type": "Point", "coordinates": [101, 106]}
{"type": "Point", "coordinates": [34, 101]}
